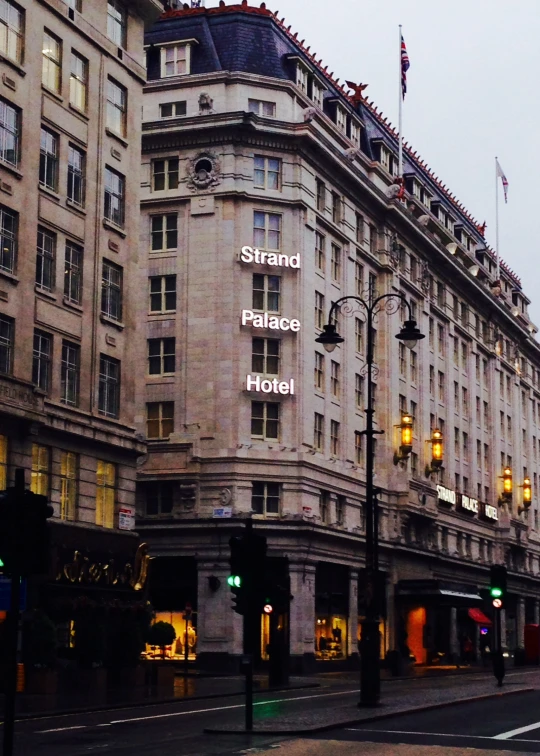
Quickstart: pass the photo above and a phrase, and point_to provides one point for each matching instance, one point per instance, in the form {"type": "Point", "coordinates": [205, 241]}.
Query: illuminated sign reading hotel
{"type": "Point", "coordinates": [273, 322]}
{"type": "Point", "coordinates": [250, 255]}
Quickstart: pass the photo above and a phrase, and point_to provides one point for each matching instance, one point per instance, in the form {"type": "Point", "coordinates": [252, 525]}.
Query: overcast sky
{"type": "Point", "coordinates": [473, 93]}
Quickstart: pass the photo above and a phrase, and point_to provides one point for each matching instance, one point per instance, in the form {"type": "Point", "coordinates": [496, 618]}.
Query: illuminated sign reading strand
{"type": "Point", "coordinates": [250, 255]}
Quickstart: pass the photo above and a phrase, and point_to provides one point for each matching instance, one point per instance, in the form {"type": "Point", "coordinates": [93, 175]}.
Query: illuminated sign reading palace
{"type": "Point", "coordinates": [466, 504]}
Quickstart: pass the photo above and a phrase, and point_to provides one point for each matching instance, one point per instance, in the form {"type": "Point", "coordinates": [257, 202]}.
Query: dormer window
{"type": "Point", "coordinates": [388, 161]}
{"type": "Point", "coordinates": [302, 74]}
{"type": "Point", "coordinates": [176, 58]}
{"type": "Point", "coordinates": [317, 93]}
{"type": "Point", "coordinates": [341, 118]}
{"type": "Point", "coordinates": [354, 130]}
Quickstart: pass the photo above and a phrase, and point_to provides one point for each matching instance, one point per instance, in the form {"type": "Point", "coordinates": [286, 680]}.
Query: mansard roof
{"type": "Point", "coordinates": [242, 37]}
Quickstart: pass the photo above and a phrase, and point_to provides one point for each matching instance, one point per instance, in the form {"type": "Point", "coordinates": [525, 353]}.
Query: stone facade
{"type": "Point", "coordinates": [77, 71]}
{"type": "Point", "coordinates": [268, 152]}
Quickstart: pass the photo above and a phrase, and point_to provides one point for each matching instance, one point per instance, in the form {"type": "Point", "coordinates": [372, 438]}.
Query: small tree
{"type": "Point", "coordinates": [161, 634]}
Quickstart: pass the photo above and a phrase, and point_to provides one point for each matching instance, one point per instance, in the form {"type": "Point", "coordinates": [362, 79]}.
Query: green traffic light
{"type": "Point", "coordinates": [1, 563]}
{"type": "Point", "coordinates": [235, 581]}
{"type": "Point", "coordinates": [496, 592]}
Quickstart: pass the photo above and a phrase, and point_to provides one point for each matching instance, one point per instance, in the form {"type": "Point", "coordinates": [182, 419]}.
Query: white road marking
{"type": "Point", "coordinates": [435, 734]}
{"type": "Point", "coordinates": [63, 729]}
{"type": "Point", "coordinates": [235, 706]}
{"type": "Point", "coordinates": [517, 731]}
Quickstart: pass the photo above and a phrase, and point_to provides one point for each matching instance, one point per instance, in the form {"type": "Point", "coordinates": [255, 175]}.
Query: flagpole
{"type": "Point", "coordinates": [497, 218]}
{"type": "Point", "coordinates": [400, 124]}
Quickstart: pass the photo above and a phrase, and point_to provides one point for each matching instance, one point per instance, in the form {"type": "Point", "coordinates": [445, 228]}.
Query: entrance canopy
{"type": "Point", "coordinates": [479, 617]}
{"type": "Point", "coordinates": [438, 592]}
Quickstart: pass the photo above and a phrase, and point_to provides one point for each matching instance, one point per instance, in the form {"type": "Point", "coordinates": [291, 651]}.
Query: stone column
{"type": "Point", "coordinates": [520, 623]}
{"type": "Point", "coordinates": [302, 617]}
{"type": "Point", "coordinates": [219, 628]}
{"type": "Point", "coordinates": [536, 612]}
{"type": "Point", "coordinates": [504, 639]}
{"type": "Point", "coordinates": [454, 641]}
{"type": "Point", "coordinates": [352, 631]}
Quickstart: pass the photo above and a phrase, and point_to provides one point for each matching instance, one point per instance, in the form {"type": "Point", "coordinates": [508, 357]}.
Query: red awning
{"type": "Point", "coordinates": [478, 616]}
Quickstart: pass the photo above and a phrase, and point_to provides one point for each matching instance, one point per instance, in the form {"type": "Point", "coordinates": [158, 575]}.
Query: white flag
{"type": "Point", "coordinates": [504, 180]}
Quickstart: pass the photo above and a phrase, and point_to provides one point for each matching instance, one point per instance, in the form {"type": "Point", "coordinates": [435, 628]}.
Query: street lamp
{"type": "Point", "coordinates": [370, 682]}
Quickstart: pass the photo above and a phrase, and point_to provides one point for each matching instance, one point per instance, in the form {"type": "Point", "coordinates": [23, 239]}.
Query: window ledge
{"type": "Point", "coordinates": [52, 93]}
{"type": "Point", "coordinates": [49, 192]}
{"type": "Point", "coordinates": [113, 227]}
{"type": "Point", "coordinates": [74, 206]}
{"type": "Point", "coordinates": [72, 305]}
{"type": "Point", "coordinates": [20, 70]}
{"type": "Point", "coordinates": [117, 136]}
{"type": "Point", "coordinates": [9, 276]}
{"type": "Point", "coordinates": [44, 293]}
{"type": "Point", "coordinates": [106, 320]}
{"type": "Point", "coordinates": [11, 169]}
{"type": "Point", "coordinates": [78, 112]}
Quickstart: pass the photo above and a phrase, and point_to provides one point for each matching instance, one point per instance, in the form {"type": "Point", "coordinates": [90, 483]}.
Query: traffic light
{"type": "Point", "coordinates": [497, 588]}
{"type": "Point", "coordinates": [24, 534]}
{"type": "Point", "coordinates": [248, 557]}
{"type": "Point", "coordinates": [275, 595]}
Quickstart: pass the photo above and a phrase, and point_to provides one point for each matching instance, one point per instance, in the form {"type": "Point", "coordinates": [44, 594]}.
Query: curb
{"type": "Point", "coordinates": [367, 720]}
{"type": "Point", "coordinates": [19, 717]}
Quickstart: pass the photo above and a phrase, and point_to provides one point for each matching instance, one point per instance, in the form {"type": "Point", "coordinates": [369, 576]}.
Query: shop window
{"type": "Point", "coordinates": [265, 498]}
{"type": "Point", "coordinates": [185, 644]}
{"type": "Point", "coordinates": [330, 637]}
{"type": "Point", "coordinates": [159, 499]}
{"type": "Point", "coordinates": [69, 464]}
{"type": "Point", "coordinates": [40, 470]}
{"type": "Point", "coordinates": [105, 493]}
{"type": "Point", "coordinates": [3, 462]}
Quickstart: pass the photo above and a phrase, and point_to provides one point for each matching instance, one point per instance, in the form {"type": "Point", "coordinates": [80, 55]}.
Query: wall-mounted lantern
{"type": "Point", "coordinates": [437, 452]}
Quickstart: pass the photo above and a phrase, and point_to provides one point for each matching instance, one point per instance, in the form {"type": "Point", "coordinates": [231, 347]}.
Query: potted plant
{"type": "Point", "coordinates": [39, 655]}
{"type": "Point", "coordinates": [162, 634]}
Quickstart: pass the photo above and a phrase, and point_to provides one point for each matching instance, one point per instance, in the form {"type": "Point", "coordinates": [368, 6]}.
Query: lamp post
{"type": "Point", "coordinates": [370, 683]}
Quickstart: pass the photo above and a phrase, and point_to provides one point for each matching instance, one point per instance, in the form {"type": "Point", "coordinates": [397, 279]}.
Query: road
{"type": "Point", "coordinates": [508, 724]}
{"type": "Point", "coordinates": [492, 726]}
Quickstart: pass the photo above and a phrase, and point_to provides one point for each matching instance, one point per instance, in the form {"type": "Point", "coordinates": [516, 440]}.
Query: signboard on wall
{"type": "Point", "coordinates": [126, 517]}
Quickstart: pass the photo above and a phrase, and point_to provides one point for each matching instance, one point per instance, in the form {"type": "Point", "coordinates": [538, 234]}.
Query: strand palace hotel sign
{"type": "Point", "coordinates": [269, 321]}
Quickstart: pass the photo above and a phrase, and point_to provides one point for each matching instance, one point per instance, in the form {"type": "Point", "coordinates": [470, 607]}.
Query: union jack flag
{"type": "Point", "coordinates": [405, 65]}
{"type": "Point", "coordinates": [500, 174]}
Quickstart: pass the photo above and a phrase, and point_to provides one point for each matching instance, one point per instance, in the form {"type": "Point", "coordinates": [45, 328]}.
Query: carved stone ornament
{"type": "Point", "coordinates": [203, 171]}
{"type": "Point", "coordinates": [206, 104]}
{"type": "Point", "coordinates": [225, 497]}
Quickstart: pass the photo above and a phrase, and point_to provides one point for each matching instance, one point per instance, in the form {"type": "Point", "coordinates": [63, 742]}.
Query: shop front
{"type": "Point", "coordinates": [173, 595]}
{"type": "Point", "coordinates": [435, 621]}
{"type": "Point", "coordinates": [331, 612]}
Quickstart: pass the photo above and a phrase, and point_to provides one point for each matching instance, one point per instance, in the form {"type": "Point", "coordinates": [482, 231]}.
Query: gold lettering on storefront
{"type": "Point", "coordinates": [84, 571]}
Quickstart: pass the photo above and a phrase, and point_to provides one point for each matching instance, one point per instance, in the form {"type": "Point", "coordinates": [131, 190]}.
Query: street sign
{"type": "Point", "coordinates": [126, 517]}
{"type": "Point", "coordinates": [222, 512]}
{"type": "Point", "coordinates": [5, 594]}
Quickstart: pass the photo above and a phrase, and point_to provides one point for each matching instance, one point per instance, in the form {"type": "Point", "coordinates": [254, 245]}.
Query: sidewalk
{"type": "Point", "coordinates": [404, 696]}
{"type": "Point", "coordinates": [194, 687]}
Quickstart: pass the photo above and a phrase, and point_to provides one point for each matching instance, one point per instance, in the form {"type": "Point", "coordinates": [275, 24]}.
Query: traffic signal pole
{"type": "Point", "coordinates": [12, 642]}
